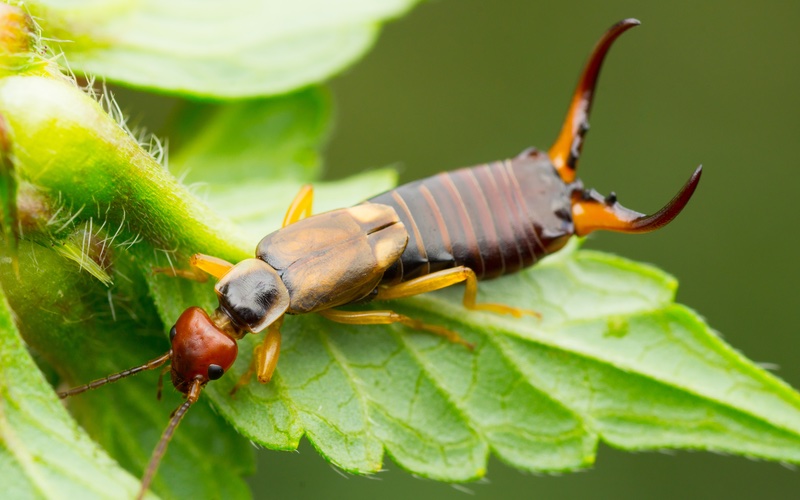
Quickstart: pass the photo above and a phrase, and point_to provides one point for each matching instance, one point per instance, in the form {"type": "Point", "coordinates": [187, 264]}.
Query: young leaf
{"type": "Point", "coordinates": [72, 320]}
{"type": "Point", "coordinates": [241, 48]}
{"type": "Point", "coordinates": [97, 165]}
{"type": "Point", "coordinates": [43, 452]}
{"type": "Point", "coordinates": [86, 331]}
{"type": "Point", "coordinates": [277, 138]}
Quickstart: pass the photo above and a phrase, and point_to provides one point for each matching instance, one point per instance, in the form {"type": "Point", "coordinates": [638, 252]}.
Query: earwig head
{"type": "Point", "coordinates": [590, 210]}
{"type": "Point", "coordinates": [200, 350]}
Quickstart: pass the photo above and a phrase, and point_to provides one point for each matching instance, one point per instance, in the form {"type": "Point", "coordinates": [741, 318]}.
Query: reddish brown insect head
{"type": "Point", "coordinates": [200, 350]}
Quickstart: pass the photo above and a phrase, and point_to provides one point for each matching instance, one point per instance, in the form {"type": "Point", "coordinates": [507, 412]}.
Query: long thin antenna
{"type": "Point", "coordinates": [161, 448]}
{"type": "Point", "coordinates": [150, 365]}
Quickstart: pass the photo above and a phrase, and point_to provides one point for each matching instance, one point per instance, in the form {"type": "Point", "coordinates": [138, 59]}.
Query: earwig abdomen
{"type": "Point", "coordinates": [495, 218]}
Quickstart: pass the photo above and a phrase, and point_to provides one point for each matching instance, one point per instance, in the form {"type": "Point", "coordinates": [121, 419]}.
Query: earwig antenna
{"type": "Point", "coordinates": [150, 365]}
{"type": "Point", "coordinates": [567, 149]}
{"type": "Point", "coordinates": [161, 448]}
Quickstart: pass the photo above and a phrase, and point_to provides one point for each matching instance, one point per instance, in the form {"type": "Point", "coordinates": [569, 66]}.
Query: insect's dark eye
{"type": "Point", "coordinates": [215, 372]}
{"type": "Point", "coordinates": [172, 333]}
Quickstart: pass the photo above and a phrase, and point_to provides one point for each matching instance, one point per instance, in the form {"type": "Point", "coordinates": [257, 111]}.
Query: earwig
{"type": "Point", "coordinates": [464, 225]}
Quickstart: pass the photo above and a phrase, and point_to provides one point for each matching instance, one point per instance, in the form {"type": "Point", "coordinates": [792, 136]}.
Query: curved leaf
{"type": "Point", "coordinates": [43, 452]}
{"type": "Point", "coordinates": [86, 331]}
{"type": "Point", "coordinates": [614, 359]}
{"type": "Point", "coordinates": [241, 48]}
{"type": "Point", "coordinates": [257, 138]}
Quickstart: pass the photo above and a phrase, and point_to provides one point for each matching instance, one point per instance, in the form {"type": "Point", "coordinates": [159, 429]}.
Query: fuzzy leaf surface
{"type": "Point", "coordinates": [241, 48]}
{"type": "Point", "coordinates": [86, 330]}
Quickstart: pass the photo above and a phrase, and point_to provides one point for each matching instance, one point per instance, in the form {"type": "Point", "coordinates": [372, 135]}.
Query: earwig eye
{"type": "Point", "coordinates": [172, 332]}
{"type": "Point", "coordinates": [215, 372]}
{"type": "Point", "coordinates": [611, 198]}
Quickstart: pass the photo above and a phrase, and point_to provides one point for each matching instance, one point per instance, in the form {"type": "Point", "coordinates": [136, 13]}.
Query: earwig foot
{"type": "Point", "coordinates": [442, 332]}
{"type": "Point", "coordinates": [508, 310]}
{"type": "Point", "coordinates": [243, 380]}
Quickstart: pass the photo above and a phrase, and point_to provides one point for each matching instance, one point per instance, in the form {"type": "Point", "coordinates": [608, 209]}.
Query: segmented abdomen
{"type": "Point", "coordinates": [495, 219]}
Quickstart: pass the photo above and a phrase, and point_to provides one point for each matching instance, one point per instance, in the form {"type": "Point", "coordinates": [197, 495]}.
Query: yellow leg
{"type": "Point", "coordinates": [265, 357]}
{"type": "Point", "coordinates": [214, 266]}
{"type": "Point", "coordinates": [301, 206]}
{"type": "Point", "coordinates": [443, 279]}
{"type": "Point", "coordinates": [388, 317]}
{"type": "Point", "coordinates": [200, 265]}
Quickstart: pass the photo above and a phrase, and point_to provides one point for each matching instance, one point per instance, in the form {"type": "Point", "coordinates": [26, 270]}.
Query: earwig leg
{"type": "Point", "coordinates": [267, 353]}
{"type": "Point", "coordinates": [445, 278]}
{"type": "Point", "coordinates": [301, 206]}
{"type": "Point", "coordinates": [160, 385]}
{"type": "Point", "coordinates": [201, 266]}
{"type": "Point", "coordinates": [214, 266]}
{"type": "Point", "coordinates": [265, 358]}
{"type": "Point", "coordinates": [246, 376]}
{"type": "Point", "coordinates": [388, 317]}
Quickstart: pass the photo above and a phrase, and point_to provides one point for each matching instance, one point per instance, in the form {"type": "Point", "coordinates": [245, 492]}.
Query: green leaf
{"type": "Point", "coordinates": [87, 331]}
{"type": "Point", "coordinates": [277, 138]}
{"type": "Point", "coordinates": [43, 452]}
{"type": "Point", "coordinates": [78, 325]}
{"type": "Point", "coordinates": [614, 359]}
{"type": "Point", "coordinates": [241, 48]}
{"type": "Point", "coordinates": [258, 219]}
{"type": "Point", "coordinates": [103, 172]}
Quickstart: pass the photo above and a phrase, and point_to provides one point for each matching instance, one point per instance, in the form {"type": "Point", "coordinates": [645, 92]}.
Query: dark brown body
{"type": "Point", "coordinates": [495, 219]}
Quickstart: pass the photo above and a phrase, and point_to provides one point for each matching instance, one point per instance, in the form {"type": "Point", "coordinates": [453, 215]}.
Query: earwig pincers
{"type": "Point", "coordinates": [464, 225]}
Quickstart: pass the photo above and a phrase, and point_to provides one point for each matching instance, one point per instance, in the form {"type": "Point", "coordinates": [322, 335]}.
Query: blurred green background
{"type": "Point", "coordinates": [458, 83]}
